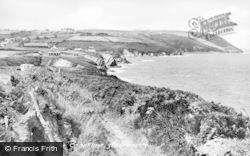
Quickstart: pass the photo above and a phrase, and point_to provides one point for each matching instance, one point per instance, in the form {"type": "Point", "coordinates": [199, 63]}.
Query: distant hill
{"type": "Point", "coordinates": [146, 42]}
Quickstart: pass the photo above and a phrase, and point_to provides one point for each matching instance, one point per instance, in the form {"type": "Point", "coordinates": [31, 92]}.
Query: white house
{"type": "Point", "coordinates": [90, 49]}
{"type": "Point", "coordinates": [54, 51]}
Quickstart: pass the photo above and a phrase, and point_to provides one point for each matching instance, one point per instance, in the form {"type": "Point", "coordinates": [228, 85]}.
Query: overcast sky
{"type": "Point", "coordinates": [123, 14]}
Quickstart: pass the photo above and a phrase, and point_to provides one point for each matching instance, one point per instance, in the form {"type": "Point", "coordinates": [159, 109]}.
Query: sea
{"type": "Point", "coordinates": [219, 77]}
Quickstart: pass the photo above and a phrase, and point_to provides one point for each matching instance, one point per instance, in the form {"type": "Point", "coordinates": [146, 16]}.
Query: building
{"type": "Point", "coordinates": [2, 44]}
{"type": "Point", "coordinates": [5, 42]}
{"type": "Point", "coordinates": [67, 31]}
{"type": "Point", "coordinates": [58, 53]}
{"type": "Point", "coordinates": [54, 51]}
{"type": "Point", "coordinates": [36, 45]}
{"type": "Point", "coordinates": [78, 49]}
{"type": "Point", "coordinates": [90, 49]}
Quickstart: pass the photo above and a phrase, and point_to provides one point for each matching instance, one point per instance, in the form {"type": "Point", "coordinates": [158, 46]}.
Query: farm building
{"type": "Point", "coordinates": [90, 49]}
{"type": "Point", "coordinates": [36, 45]}
{"type": "Point", "coordinates": [54, 51]}
{"type": "Point", "coordinates": [5, 42]}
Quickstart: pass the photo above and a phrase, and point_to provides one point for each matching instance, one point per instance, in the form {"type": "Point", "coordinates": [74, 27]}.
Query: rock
{"type": "Point", "coordinates": [26, 67]}
{"type": "Point", "coordinates": [109, 60]}
{"type": "Point", "coordinates": [63, 63]}
{"type": "Point", "coordinates": [99, 61]}
{"type": "Point", "coordinates": [66, 129]}
{"type": "Point", "coordinates": [121, 59]}
{"type": "Point", "coordinates": [211, 134]}
{"type": "Point", "coordinates": [150, 110]}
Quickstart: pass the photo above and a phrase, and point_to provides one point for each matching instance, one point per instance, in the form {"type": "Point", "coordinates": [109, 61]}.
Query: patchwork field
{"type": "Point", "coordinates": [103, 39]}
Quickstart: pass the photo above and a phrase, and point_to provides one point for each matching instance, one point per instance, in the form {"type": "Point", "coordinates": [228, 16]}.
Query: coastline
{"type": "Point", "coordinates": [116, 112]}
{"type": "Point", "coordinates": [121, 67]}
{"type": "Point", "coordinates": [236, 101]}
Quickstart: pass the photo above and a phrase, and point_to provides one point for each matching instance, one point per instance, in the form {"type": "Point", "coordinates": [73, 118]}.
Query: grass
{"type": "Point", "coordinates": [18, 60]}
{"type": "Point", "coordinates": [6, 53]}
{"type": "Point", "coordinates": [102, 38]}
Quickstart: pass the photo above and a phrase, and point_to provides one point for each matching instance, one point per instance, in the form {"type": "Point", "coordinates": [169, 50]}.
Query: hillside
{"type": "Point", "coordinates": [146, 42]}
{"type": "Point", "coordinates": [93, 113]}
{"type": "Point", "coordinates": [115, 42]}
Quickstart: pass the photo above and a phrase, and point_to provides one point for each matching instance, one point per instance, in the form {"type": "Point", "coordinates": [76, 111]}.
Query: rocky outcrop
{"type": "Point", "coordinates": [62, 63]}
{"type": "Point", "coordinates": [128, 54]}
{"type": "Point", "coordinates": [121, 59]}
{"type": "Point", "coordinates": [98, 60]}
{"type": "Point", "coordinates": [26, 67]}
{"type": "Point", "coordinates": [109, 60]}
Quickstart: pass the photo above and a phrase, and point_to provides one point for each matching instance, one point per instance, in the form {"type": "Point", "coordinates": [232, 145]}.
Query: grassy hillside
{"type": "Point", "coordinates": [223, 43]}
{"type": "Point", "coordinates": [18, 60]}
{"type": "Point", "coordinates": [146, 42]}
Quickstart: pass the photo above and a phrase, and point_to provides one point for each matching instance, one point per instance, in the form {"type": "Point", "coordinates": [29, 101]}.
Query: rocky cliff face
{"type": "Point", "coordinates": [98, 60]}
{"type": "Point", "coordinates": [109, 60]}
{"type": "Point", "coordinates": [63, 63]}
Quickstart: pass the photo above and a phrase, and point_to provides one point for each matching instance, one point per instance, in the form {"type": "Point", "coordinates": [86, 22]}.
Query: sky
{"type": "Point", "coordinates": [123, 15]}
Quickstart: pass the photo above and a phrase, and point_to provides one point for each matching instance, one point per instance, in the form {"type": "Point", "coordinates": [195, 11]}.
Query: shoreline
{"type": "Point", "coordinates": [120, 68]}
{"type": "Point", "coordinates": [119, 73]}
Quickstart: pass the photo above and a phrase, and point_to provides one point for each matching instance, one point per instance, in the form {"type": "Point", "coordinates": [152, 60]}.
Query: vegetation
{"type": "Point", "coordinates": [18, 60]}
{"type": "Point", "coordinates": [21, 34]}
{"type": "Point", "coordinates": [82, 105]}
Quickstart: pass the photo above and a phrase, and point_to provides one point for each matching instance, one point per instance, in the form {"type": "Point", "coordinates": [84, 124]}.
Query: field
{"type": "Point", "coordinates": [103, 39]}
{"type": "Point", "coordinates": [143, 42]}
{"type": "Point", "coordinates": [8, 53]}
{"type": "Point", "coordinates": [115, 46]}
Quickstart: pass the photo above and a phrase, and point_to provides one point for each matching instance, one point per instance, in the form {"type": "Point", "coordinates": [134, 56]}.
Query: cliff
{"type": "Point", "coordinates": [92, 112]}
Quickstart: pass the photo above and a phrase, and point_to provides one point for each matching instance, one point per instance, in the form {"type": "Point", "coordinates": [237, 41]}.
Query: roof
{"type": "Point", "coordinates": [36, 45]}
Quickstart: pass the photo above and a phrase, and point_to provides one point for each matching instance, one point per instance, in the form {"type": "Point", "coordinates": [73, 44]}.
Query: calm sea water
{"type": "Point", "coordinates": [222, 78]}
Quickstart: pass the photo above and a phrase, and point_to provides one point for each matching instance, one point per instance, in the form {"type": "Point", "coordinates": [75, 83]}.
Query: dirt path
{"type": "Point", "coordinates": [125, 144]}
